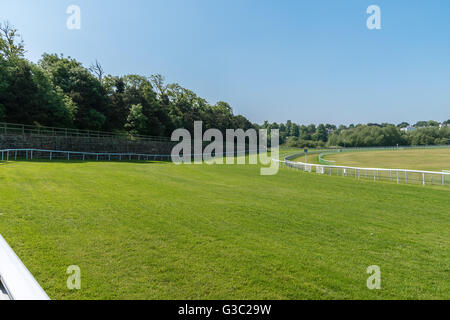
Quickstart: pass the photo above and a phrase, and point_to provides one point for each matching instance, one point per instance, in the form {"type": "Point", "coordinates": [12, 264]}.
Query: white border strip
{"type": "Point", "coordinates": [18, 281]}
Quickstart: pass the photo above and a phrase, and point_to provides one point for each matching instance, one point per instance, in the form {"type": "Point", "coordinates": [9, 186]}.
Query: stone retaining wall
{"type": "Point", "coordinates": [85, 144]}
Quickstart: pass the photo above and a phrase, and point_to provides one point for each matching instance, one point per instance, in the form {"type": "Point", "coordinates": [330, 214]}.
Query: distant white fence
{"type": "Point", "coordinates": [376, 174]}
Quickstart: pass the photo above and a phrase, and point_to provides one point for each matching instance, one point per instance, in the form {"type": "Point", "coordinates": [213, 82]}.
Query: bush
{"type": "Point", "coordinates": [294, 142]}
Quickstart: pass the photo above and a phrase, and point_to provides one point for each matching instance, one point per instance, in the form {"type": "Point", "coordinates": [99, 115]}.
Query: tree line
{"type": "Point", "coordinates": [362, 135]}
{"type": "Point", "coordinates": [59, 91]}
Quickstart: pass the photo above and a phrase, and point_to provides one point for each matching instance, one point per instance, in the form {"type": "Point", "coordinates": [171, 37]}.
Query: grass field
{"type": "Point", "coordinates": [416, 159]}
{"type": "Point", "coordinates": [161, 231]}
{"type": "Point", "coordinates": [310, 158]}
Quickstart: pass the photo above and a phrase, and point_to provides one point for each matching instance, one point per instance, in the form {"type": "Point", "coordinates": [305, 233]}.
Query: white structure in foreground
{"type": "Point", "coordinates": [16, 282]}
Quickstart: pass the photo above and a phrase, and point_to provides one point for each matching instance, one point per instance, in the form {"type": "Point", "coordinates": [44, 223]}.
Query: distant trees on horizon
{"type": "Point", "coordinates": [362, 135]}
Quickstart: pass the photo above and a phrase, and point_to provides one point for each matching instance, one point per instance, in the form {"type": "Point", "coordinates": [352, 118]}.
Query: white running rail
{"type": "Point", "coordinates": [398, 175]}
{"type": "Point", "coordinates": [16, 282]}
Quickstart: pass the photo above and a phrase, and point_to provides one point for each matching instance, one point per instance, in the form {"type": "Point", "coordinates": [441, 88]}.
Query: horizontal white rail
{"type": "Point", "coordinates": [18, 282]}
{"type": "Point", "coordinates": [369, 169]}
{"type": "Point", "coordinates": [400, 175]}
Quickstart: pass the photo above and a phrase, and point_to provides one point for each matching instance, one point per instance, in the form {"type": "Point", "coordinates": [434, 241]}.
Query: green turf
{"type": "Point", "coordinates": [416, 159]}
{"type": "Point", "coordinates": [310, 158]}
{"type": "Point", "coordinates": [161, 231]}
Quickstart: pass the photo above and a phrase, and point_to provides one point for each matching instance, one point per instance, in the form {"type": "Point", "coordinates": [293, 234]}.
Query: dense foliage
{"type": "Point", "coordinates": [390, 135]}
{"type": "Point", "coordinates": [362, 135]}
{"type": "Point", "coordinates": [60, 91]}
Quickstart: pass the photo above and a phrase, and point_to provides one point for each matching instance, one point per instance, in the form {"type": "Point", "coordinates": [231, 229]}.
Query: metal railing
{"type": "Point", "coordinates": [30, 130]}
{"type": "Point", "coordinates": [40, 154]}
{"type": "Point", "coordinates": [36, 154]}
{"type": "Point", "coordinates": [16, 282]}
{"type": "Point", "coordinates": [377, 174]}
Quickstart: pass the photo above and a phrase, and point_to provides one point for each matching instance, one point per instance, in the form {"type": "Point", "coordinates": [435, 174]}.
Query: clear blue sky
{"type": "Point", "coordinates": [307, 61]}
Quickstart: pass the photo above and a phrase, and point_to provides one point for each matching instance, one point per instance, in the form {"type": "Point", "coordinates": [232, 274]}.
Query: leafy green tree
{"type": "Point", "coordinates": [421, 124]}
{"type": "Point", "coordinates": [115, 88]}
{"type": "Point", "coordinates": [28, 96]}
{"type": "Point", "coordinates": [4, 83]}
{"type": "Point", "coordinates": [139, 90]}
{"type": "Point", "coordinates": [10, 45]}
{"type": "Point", "coordinates": [367, 136]}
{"type": "Point", "coordinates": [433, 123]}
{"type": "Point", "coordinates": [85, 90]}
{"type": "Point", "coordinates": [295, 130]}
{"type": "Point", "coordinates": [304, 133]}
{"type": "Point", "coordinates": [96, 120]}
{"type": "Point", "coordinates": [136, 121]}
{"type": "Point", "coordinates": [321, 133]}
{"type": "Point", "coordinates": [330, 127]}
{"type": "Point", "coordinates": [60, 91]}
{"type": "Point", "coordinates": [240, 122]}
{"type": "Point", "coordinates": [2, 112]}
